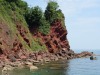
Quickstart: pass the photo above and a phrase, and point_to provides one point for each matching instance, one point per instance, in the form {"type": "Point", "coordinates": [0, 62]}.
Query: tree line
{"type": "Point", "coordinates": [35, 17]}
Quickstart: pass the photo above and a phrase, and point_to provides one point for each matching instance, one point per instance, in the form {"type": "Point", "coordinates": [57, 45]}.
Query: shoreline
{"type": "Point", "coordinates": [31, 59]}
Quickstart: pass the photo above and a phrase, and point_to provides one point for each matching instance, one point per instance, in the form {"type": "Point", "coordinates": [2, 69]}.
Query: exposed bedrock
{"type": "Point", "coordinates": [56, 40]}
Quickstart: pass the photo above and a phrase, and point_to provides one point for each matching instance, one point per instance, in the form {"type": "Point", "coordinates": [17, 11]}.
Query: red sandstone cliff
{"type": "Point", "coordinates": [56, 40]}
{"type": "Point", "coordinates": [10, 42]}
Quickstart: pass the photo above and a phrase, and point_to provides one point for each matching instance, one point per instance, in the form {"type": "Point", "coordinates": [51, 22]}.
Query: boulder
{"type": "Point", "coordinates": [33, 68]}
{"type": "Point", "coordinates": [93, 58]}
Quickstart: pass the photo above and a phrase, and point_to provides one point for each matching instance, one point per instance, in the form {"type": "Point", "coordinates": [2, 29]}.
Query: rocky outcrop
{"type": "Point", "coordinates": [10, 45]}
{"type": "Point", "coordinates": [56, 40]}
{"type": "Point", "coordinates": [23, 32]}
{"type": "Point", "coordinates": [83, 54]}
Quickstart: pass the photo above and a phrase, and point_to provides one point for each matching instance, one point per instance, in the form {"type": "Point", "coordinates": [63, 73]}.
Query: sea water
{"type": "Point", "coordinates": [79, 66]}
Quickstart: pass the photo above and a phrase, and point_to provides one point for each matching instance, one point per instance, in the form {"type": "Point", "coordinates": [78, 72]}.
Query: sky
{"type": "Point", "coordinates": [82, 19]}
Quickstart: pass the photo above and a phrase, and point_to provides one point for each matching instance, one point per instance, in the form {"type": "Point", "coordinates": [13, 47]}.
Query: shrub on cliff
{"type": "Point", "coordinates": [44, 26]}
{"type": "Point", "coordinates": [17, 5]}
{"type": "Point", "coordinates": [23, 6]}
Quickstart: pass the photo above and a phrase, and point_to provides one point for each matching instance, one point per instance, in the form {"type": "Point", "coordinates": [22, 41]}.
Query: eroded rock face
{"type": "Point", "coordinates": [12, 48]}
{"type": "Point", "coordinates": [5, 39]}
{"type": "Point", "coordinates": [10, 45]}
{"type": "Point", "coordinates": [23, 33]}
{"type": "Point", "coordinates": [56, 40]}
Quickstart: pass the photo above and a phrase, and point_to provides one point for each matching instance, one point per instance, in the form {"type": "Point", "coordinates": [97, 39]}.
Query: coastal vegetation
{"type": "Point", "coordinates": [12, 15]}
{"type": "Point", "coordinates": [40, 20]}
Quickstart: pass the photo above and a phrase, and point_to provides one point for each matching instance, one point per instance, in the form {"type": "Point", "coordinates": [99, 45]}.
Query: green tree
{"type": "Point", "coordinates": [53, 12]}
{"type": "Point", "coordinates": [33, 16]}
{"type": "Point", "coordinates": [21, 4]}
{"type": "Point", "coordinates": [50, 12]}
{"type": "Point", "coordinates": [12, 0]}
{"type": "Point", "coordinates": [36, 20]}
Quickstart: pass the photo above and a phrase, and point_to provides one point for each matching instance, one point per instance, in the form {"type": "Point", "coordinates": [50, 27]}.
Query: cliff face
{"type": "Point", "coordinates": [17, 43]}
{"type": "Point", "coordinates": [56, 40]}
{"type": "Point", "coordinates": [16, 39]}
{"type": "Point", "coordinates": [13, 42]}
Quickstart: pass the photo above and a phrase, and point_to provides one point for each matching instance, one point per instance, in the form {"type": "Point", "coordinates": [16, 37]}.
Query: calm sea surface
{"type": "Point", "coordinates": [80, 66]}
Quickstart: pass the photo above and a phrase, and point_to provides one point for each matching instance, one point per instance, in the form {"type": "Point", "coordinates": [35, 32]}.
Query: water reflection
{"type": "Point", "coordinates": [81, 66]}
{"type": "Point", "coordinates": [53, 68]}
